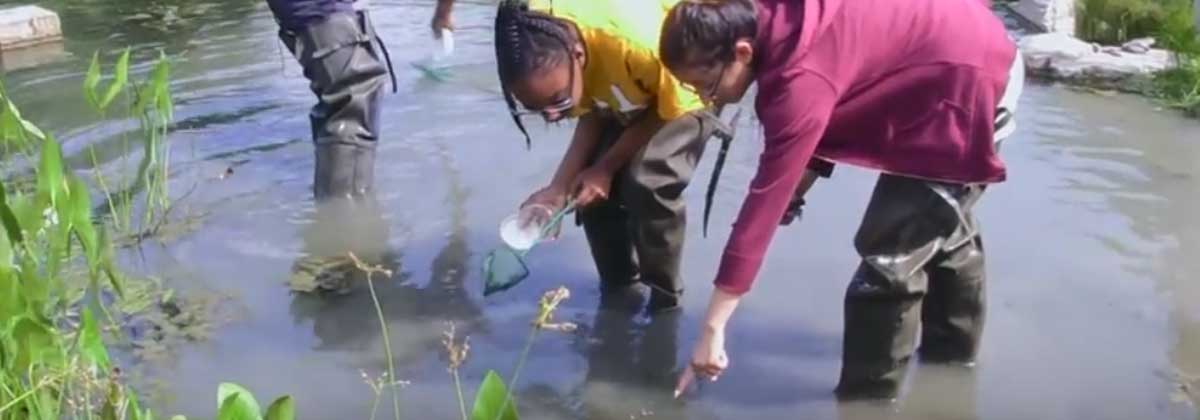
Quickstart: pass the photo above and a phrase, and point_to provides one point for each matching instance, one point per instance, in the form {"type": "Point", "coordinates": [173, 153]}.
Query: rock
{"type": "Point", "coordinates": [1053, 16]}
{"type": "Point", "coordinates": [25, 26]}
{"type": "Point", "coordinates": [1138, 46]}
{"type": "Point", "coordinates": [1059, 56]}
{"type": "Point", "coordinates": [32, 56]}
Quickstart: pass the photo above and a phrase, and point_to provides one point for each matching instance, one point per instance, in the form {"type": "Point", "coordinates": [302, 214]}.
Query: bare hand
{"type": "Point", "coordinates": [708, 360]}
{"type": "Point", "coordinates": [592, 186]}
{"type": "Point", "coordinates": [548, 199]}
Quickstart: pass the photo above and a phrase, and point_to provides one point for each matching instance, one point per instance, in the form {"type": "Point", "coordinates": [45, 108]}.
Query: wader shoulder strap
{"type": "Point", "coordinates": [725, 133]}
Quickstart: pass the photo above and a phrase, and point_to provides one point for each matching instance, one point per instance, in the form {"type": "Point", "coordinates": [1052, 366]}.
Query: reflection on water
{"type": "Point", "coordinates": [1093, 309]}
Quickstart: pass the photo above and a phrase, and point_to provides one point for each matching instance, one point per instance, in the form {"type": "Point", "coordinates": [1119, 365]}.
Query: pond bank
{"type": "Point", "coordinates": [1135, 67]}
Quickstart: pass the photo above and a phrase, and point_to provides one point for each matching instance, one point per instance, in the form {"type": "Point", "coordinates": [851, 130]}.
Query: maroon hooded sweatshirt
{"type": "Point", "coordinates": [906, 87]}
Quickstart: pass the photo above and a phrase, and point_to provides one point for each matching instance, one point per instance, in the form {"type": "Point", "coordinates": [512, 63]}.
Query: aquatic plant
{"type": "Point", "coordinates": [494, 399]}
{"type": "Point", "coordinates": [237, 403]}
{"type": "Point", "coordinates": [151, 103]}
{"type": "Point", "coordinates": [53, 360]}
{"type": "Point", "coordinates": [456, 355]}
{"type": "Point", "coordinates": [1118, 21]}
{"type": "Point", "coordinates": [393, 381]}
{"type": "Point", "coordinates": [1179, 86]}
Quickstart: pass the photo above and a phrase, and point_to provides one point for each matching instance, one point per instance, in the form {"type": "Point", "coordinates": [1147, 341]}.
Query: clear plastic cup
{"type": "Point", "coordinates": [522, 230]}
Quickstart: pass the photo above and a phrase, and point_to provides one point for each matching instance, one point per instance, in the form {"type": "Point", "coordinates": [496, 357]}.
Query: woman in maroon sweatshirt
{"type": "Point", "coordinates": [920, 90]}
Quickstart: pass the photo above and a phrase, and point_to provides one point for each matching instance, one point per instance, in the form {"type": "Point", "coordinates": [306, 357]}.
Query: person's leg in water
{"type": "Point", "coordinates": [923, 258]}
{"type": "Point", "coordinates": [347, 75]}
{"type": "Point", "coordinates": [651, 188]}
{"type": "Point", "coordinates": [606, 225]}
{"type": "Point", "coordinates": [952, 316]}
{"type": "Point", "coordinates": [904, 228]}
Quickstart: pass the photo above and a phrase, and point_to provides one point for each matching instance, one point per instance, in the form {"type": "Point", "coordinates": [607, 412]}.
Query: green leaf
{"type": "Point", "coordinates": [135, 409]}
{"type": "Point", "coordinates": [236, 403]}
{"type": "Point", "coordinates": [162, 85]}
{"type": "Point", "coordinates": [11, 304]}
{"type": "Point", "coordinates": [490, 397]}
{"type": "Point", "coordinates": [28, 214]}
{"type": "Point", "coordinates": [79, 213]}
{"type": "Point", "coordinates": [105, 260]}
{"type": "Point", "coordinates": [91, 81]}
{"type": "Point", "coordinates": [50, 172]}
{"type": "Point", "coordinates": [91, 344]}
{"type": "Point", "coordinates": [34, 289]}
{"type": "Point", "coordinates": [9, 220]}
{"type": "Point", "coordinates": [179, 418]}
{"type": "Point", "coordinates": [282, 409]}
{"type": "Point", "coordinates": [6, 264]}
{"type": "Point", "coordinates": [35, 344]}
{"type": "Point", "coordinates": [120, 78]}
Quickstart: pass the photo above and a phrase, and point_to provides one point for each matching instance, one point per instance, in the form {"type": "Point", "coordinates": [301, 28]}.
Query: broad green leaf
{"type": "Point", "coordinates": [8, 348]}
{"type": "Point", "coordinates": [236, 403]}
{"type": "Point", "coordinates": [157, 90]}
{"type": "Point", "coordinates": [91, 81]}
{"type": "Point", "coordinates": [35, 344]}
{"type": "Point", "coordinates": [11, 304]}
{"type": "Point", "coordinates": [162, 83]}
{"type": "Point", "coordinates": [30, 128]}
{"type": "Point", "coordinates": [490, 397]}
{"type": "Point", "coordinates": [178, 417]}
{"type": "Point", "coordinates": [28, 214]}
{"type": "Point", "coordinates": [11, 128]}
{"type": "Point", "coordinates": [80, 215]}
{"type": "Point", "coordinates": [8, 219]}
{"type": "Point", "coordinates": [91, 344]}
{"type": "Point", "coordinates": [135, 409]}
{"type": "Point", "coordinates": [34, 289]}
{"type": "Point", "coordinates": [50, 171]}
{"type": "Point", "coordinates": [282, 409]}
{"type": "Point", "coordinates": [120, 78]}
{"type": "Point", "coordinates": [6, 262]}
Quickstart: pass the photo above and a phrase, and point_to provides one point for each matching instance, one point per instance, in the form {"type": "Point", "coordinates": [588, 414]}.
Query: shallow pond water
{"type": "Point", "coordinates": [1092, 310]}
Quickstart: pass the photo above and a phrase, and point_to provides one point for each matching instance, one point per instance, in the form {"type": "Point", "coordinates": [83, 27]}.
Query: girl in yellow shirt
{"type": "Point", "coordinates": [638, 139]}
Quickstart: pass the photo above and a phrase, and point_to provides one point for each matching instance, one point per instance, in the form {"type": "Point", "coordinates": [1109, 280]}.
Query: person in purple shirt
{"type": "Point", "coordinates": [920, 90]}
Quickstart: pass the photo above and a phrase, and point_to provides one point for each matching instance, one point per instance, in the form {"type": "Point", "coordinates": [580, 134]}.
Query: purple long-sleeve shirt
{"type": "Point", "coordinates": [906, 87]}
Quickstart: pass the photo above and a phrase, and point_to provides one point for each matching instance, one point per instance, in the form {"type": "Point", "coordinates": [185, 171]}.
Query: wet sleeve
{"type": "Point", "coordinates": [794, 117]}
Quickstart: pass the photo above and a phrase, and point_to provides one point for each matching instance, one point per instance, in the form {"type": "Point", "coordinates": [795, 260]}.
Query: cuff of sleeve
{"type": "Point", "coordinates": [737, 273]}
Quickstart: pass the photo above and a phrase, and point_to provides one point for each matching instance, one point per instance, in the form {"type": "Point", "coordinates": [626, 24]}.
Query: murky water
{"type": "Point", "coordinates": [1092, 311]}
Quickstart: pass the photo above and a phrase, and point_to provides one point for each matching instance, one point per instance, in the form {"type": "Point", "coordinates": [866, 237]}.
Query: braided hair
{"type": "Point", "coordinates": [527, 41]}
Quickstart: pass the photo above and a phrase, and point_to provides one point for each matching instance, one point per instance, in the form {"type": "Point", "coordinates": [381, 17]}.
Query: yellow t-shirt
{"type": "Point", "coordinates": [623, 72]}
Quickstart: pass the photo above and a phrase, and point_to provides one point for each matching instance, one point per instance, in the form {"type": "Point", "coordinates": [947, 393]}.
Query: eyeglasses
{"type": "Point", "coordinates": [709, 89]}
{"type": "Point", "coordinates": [561, 107]}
